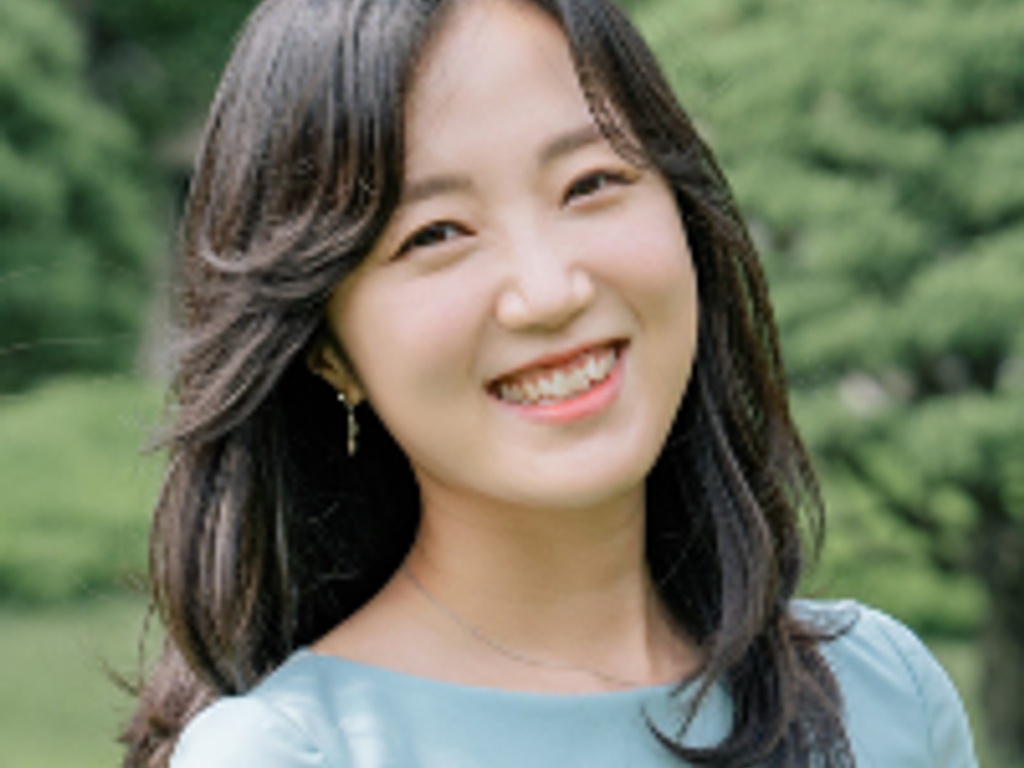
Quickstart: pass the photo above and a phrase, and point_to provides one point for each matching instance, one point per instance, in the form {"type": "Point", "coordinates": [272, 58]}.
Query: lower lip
{"type": "Point", "coordinates": [584, 405]}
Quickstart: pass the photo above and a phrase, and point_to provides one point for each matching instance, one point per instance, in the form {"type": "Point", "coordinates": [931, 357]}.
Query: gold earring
{"type": "Point", "coordinates": [352, 427]}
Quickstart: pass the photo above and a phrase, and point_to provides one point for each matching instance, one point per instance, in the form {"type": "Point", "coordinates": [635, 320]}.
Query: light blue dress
{"type": "Point", "coordinates": [901, 711]}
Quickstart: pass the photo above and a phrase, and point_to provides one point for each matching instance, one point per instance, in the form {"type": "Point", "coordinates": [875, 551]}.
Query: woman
{"type": "Point", "coordinates": [483, 454]}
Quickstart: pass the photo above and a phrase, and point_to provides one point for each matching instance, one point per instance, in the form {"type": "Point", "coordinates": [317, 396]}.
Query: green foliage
{"type": "Point", "coordinates": [159, 61]}
{"type": "Point", "coordinates": [876, 558]}
{"type": "Point", "coordinates": [75, 231]}
{"type": "Point", "coordinates": [77, 493]}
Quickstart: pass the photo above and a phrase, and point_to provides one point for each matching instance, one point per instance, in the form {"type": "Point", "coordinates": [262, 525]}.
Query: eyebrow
{"type": "Point", "coordinates": [434, 186]}
{"type": "Point", "coordinates": [560, 146]}
{"type": "Point", "coordinates": [570, 142]}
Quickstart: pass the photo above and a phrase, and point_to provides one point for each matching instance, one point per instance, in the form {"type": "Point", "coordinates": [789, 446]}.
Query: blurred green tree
{"type": "Point", "coordinates": [75, 227]}
{"type": "Point", "coordinates": [158, 62]}
{"type": "Point", "coordinates": [877, 148]}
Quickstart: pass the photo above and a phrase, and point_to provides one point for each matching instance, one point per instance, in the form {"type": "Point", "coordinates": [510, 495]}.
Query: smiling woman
{"type": "Point", "coordinates": [562, 487]}
{"type": "Point", "coordinates": [521, 267]}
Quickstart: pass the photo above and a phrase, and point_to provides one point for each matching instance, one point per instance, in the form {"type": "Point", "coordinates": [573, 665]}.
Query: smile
{"type": "Point", "coordinates": [567, 381]}
{"type": "Point", "coordinates": [580, 386]}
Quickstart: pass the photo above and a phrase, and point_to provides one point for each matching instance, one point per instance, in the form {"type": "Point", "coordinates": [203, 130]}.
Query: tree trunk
{"type": "Point", "coordinates": [1002, 572]}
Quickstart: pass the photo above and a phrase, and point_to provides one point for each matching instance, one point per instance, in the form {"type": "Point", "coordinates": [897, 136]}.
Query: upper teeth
{"type": "Point", "coordinates": [572, 379]}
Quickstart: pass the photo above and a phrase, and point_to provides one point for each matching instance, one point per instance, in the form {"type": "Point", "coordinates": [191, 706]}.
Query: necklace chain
{"type": "Point", "coordinates": [511, 653]}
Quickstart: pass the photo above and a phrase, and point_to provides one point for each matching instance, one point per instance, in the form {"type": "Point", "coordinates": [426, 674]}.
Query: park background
{"type": "Point", "coordinates": [877, 150]}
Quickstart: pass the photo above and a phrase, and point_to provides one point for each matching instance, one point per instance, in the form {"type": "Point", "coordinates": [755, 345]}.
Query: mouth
{"type": "Point", "coordinates": [570, 379]}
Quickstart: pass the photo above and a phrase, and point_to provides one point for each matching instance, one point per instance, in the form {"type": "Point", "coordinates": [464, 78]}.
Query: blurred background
{"type": "Point", "coordinates": [877, 150]}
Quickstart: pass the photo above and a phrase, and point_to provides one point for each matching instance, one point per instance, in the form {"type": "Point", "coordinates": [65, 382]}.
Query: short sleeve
{"type": "Point", "coordinates": [245, 731]}
{"type": "Point", "coordinates": [949, 733]}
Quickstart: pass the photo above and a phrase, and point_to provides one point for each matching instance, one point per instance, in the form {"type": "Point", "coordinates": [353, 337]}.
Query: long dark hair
{"type": "Point", "coordinates": [266, 534]}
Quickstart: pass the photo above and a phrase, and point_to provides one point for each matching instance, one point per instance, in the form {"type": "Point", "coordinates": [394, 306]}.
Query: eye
{"type": "Point", "coordinates": [595, 183]}
{"type": "Point", "coordinates": [431, 235]}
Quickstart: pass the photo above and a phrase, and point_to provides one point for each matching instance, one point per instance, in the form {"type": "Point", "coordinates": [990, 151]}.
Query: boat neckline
{"type": "Point", "coordinates": [366, 668]}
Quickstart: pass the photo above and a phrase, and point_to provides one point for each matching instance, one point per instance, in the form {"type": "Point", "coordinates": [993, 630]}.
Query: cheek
{"type": "Point", "coordinates": [409, 340]}
{"type": "Point", "coordinates": [647, 257]}
{"type": "Point", "coordinates": [662, 270]}
{"type": "Point", "coordinates": [659, 282]}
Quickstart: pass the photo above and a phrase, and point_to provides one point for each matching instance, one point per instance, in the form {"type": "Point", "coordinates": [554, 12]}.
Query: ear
{"type": "Point", "coordinates": [326, 360]}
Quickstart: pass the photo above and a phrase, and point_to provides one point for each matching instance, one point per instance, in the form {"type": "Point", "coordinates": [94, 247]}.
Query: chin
{"type": "Point", "coordinates": [593, 484]}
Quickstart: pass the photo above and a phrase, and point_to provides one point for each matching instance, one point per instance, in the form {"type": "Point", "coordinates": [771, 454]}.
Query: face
{"type": "Point", "coordinates": [526, 325]}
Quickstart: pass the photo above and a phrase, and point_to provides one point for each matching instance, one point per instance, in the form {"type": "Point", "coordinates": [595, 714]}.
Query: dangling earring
{"type": "Point", "coordinates": [352, 428]}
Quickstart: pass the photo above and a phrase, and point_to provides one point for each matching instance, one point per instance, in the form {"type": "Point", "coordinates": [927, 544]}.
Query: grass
{"type": "Point", "coordinates": [58, 705]}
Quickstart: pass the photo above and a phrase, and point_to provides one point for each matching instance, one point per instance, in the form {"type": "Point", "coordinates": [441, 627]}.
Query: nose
{"type": "Point", "coordinates": [545, 289]}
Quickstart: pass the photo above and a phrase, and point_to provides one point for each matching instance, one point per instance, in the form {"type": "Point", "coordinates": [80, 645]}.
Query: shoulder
{"type": "Point", "coordinates": [897, 698]}
{"type": "Point", "coordinates": [244, 730]}
{"type": "Point", "coordinates": [279, 724]}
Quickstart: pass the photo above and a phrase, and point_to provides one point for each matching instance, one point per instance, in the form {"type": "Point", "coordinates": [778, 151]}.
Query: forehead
{"type": "Point", "coordinates": [494, 58]}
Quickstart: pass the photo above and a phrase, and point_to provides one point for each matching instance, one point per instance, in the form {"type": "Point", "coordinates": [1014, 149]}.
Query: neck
{"type": "Point", "coordinates": [563, 588]}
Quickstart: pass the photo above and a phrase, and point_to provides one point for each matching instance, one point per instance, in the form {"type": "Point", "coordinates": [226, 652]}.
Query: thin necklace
{"type": "Point", "coordinates": [504, 650]}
